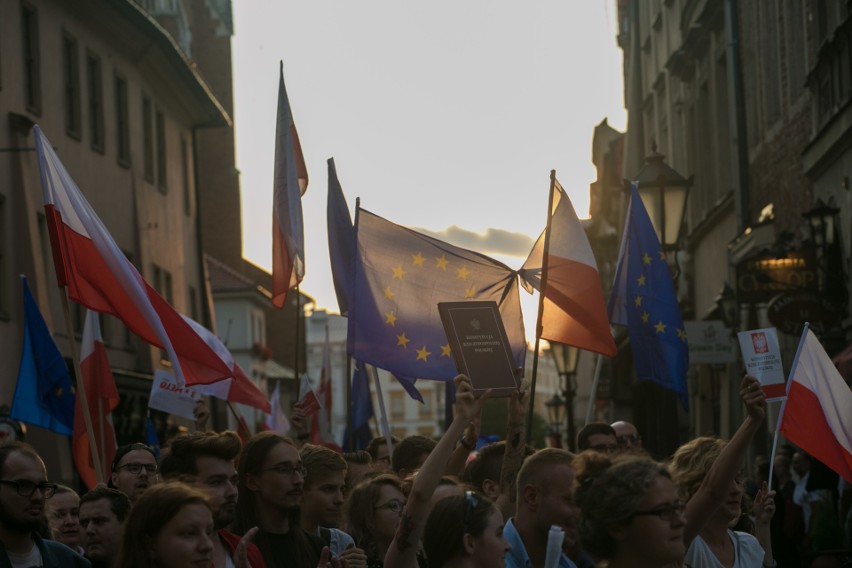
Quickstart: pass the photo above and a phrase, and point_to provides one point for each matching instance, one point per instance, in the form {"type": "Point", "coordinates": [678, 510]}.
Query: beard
{"type": "Point", "coordinates": [223, 518]}
{"type": "Point", "coordinates": [18, 525]}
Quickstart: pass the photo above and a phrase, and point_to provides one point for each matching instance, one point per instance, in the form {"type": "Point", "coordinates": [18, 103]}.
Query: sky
{"type": "Point", "coordinates": [445, 116]}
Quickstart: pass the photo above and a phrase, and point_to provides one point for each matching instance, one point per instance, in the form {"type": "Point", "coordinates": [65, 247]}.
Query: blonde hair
{"type": "Point", "coordinates": [692, 461]}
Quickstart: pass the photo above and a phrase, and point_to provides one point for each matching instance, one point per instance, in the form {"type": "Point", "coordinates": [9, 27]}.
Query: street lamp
{"type": "Point", "coordinates": [726, 302]}
{"type": "Point", "coordinates": [822, 218]}
{"type": "Point", "coordinates": [663, 192]}
{"type": "Point", "coordinates": [566, 357]}
{"type": "Point", "coordinates": [555, 409]}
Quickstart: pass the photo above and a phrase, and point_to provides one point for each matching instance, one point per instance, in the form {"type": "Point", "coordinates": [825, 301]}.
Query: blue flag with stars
{"type": "Point", "coordinates": [643, 299]}
{"type": "Point", "coordinates": [44, 395]}
{"type": "Point", "coordinates": [400, 276]}
{"type": "Point", "coordinates": [359, 433]}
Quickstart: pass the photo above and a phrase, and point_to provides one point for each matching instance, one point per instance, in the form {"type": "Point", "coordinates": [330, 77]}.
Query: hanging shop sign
{"type": "Point", "coordinates": [789, 312]}
{"type": "Point", "coordinates": [764, 276]}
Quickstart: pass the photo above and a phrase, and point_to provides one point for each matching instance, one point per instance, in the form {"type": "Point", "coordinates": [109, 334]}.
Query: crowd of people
{"type": "Point", "coordinates": [213, 500]}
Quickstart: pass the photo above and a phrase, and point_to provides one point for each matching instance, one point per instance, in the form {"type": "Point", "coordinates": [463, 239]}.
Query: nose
{"type": "Point", "coordinates": [205, 544]}
{"type": "Point", "coordinates": [231, 489]}
{"type": "Point", "coordinates": [506, 546]}
{"type": "Point", "coordinates": [338, 498]}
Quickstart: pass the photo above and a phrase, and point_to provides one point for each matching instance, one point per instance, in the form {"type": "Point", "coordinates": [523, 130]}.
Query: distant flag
{"type": "Point", "coordinates": [308, 401]}
{"type": "Point", "coordinates": [98, 275]}
{"type": "Point", "coordinates": [817, 415]}
{"type": "Point", "coordinates": [341, 240]}
{"type": "Point", "coordinates": [44, 395]}
{"type": "Point", "coordinates": [362, 411]}
{"type": "Point", "coordinates": [644, 300]}
{"type": "Point", "coordinates": [290, 183]}
{"type": "Point", "coordinates": [320, 434]}
{"type": "Point", "coordinates": [276, 420]}
{"type": "Point", "coordinates": [400, 276]}
{"type": "Point", "coordinates": [574, 311]}
{"type": "Point", "coordinates": [103, 400]}
{"type": "Point", "coordinates": [151, 439]}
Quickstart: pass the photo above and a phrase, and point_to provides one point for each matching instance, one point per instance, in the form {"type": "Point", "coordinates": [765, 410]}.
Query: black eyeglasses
{"type": "Point", "coordinates": [629, 439]}
{"type": "Point", "coordinates": [287, 469]}
{"type": "Point", "coordinates": [394, 505]}
{"type": "Point", "coordinates": [26, 488]}
{"type": "Point", "coordinates": [472, 503]}
{"type": "Point", "coordinates": [136, 468]}
{"type": "Point", "coordinates": [665, 512]}
{"type": "Point", "coordinates": [605, 448]}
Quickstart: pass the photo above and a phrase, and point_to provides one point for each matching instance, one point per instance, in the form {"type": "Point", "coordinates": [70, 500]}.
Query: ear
{"type": "Point", "coordinates": [530, 496]}
{"type": "Point", "coordinates": [491, 489]}
{"type": "Point", "coordinates": [469, 544]}
{"type": "Point", "coordinates": [113, 477]}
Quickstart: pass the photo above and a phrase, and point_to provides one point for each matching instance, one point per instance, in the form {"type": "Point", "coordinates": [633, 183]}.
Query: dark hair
{"type": "Point", "coordinates": [119, 503]}
{"type": "Point", "coordinates": [11, 448]}
{"type": "Point", "coordinates": [251, 462]}
{"type": "Point", "coordinates": [373, 446]}
{"type": "Point", "coordinates": [126, 449]}
{"type": "Point", "coordinates": [185, 449]}
{"type": "Point", "coordinates": [360, 509]}
{"type": "Point", "coordinates": [408, 453]}
{"type": "Point", "coordinates": [590, 430]}
{"type": "Point", "coordinates": [488, 464]}
{"type": "Point", "coordinates": [319, 460]}
{"type": "Point", "coordinates": [361, 457]}
{"type": "Point", "coordinates": [156, 507]}
{"type": "Point", "coordinates": [450, 519]}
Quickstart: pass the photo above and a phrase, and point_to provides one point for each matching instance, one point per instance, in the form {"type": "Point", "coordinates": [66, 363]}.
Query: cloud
{"type": "Point", "coordinates": [492, 241]}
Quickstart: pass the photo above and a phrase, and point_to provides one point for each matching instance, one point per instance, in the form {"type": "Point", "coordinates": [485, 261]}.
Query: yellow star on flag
{"type": "Point", "coordinates": [660, 327]}
{"type": "Point", "coordinates": [445, 350]}
{"type": "Point", "coordinates": [402, 340]}
{"type": "Point", "coordinates": [462, 273]}
{"type": "Point", "coordinates": [390, 318]}
{"type": "Point", "coordinates": [646, 259]}
{"type": "Point", "coordinates": [470, 292]}
{"type": "Point", "coordinates": [423, 355]}
{"type": "Point", "coordinates": [681, 333]}
{"type": "Point", "coordinates": [58, 391]}
{"type": "Point", "coordinates": [398, 272]}
{"type": "Point", "coordinates": [645, 316]}
{"type": "Point", "coordinates": [388, 293]}
{"type": "Point", "coordinates": [417, 259]}
{"type": "Point", "coordinates": [662, 255]}
{"type": "Point", "coordinates": [641, 280]}
{"type": "Point", "coordinates": [441, 262]}
{"type": "Point", "coordinates": [637, 301]}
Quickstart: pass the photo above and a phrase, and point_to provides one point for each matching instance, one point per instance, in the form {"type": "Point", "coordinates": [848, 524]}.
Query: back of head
{"type": "Point", "coordinates": [156, 507]}
{"type": "Point", "coordinates": [361, 506]}
{"type": "Point", "coordinates": [590, 430]}
{"type": "Point", "coordinates": [183, 451]}
{"type": "Point", "coordinates": [410, 454]}
{"type": "Point", "coordinates": [692, 461]}
{"type": "Point", "coordinates": [537, 468]}
{"type": "Point", "coordinates": [319, 460]}
{"type": "Point", "coordinates": [486, 465]}
{"type": "Point", "coordinates": [119, 503]}
{"type": "Point", "coordinates": [609, 492]}
{"type": "Point", "coordinates": [377, 442]}
{"type": "Point", "coordinates": [360, 457]}
{"type": "Point", "coordinates": [450, 519]}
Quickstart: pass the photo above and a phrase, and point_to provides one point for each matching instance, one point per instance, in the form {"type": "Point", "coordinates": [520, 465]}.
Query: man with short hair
{"type": "Point", "coordinates": [23, 491]}
{"type": "Point", "coordinates": [598, 436]}
{"type": "Point", "coordinates": [545, 498]}
{"type": "Point", "coordinates": [629, 440]}
{"type": "Point", "coordinates": [102, 514]}
{"type": "Point", "coordinates": [134, 470]}
{"type": "Point", "coordinates": [380, 454]}
{"type": "Point", "coordinates": [409, 455]}
{"type": "Point", "coordinates": [358, 466]}
{"type": "Point", "coordinates": [207, 460]}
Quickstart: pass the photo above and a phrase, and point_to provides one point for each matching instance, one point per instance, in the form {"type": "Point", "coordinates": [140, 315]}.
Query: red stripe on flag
{"type": "Point", "coordinates": [778, 390]}
{"type": "Point", "coordinates": [804, 424]}
{"type": "Point", "coordinates": [283, 275]}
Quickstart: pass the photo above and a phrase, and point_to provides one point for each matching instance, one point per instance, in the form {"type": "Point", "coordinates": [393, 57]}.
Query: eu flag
{"type": "Point", "coordinates": [400, 276]}
{"type": "Point", "coordinates": [362, 411]}
{"type": "Point", "coordinates": [341, 239]}
{"type": "Point", "coordinates": [44, 395]}
{"type": "Point", "coordinates": [643, 299]}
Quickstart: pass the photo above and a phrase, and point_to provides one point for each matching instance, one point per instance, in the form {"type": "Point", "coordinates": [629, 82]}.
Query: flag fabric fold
{"type": "Point", "coordinates": [44, 394]}
{"type": "Point", "coordinates": [320, 433]}
{"type": "Point", "coordinates": [643, 299]}
{"type": "Point", "coordinates": [103, 399]}
{"type": "Point", "coordinates": [574, 311]}
{"type": "Point", "coordinates": [341, 240]}
{"type": "Point", "coordinates": [98, 275]}
{"type": "Point", "coordinates": [309, 403]}
{"type": "Point", "coordinates": [817, 415]}
{"type": "Point", "coordinates": [400, 276]}
{"type": "Point", "coordinates": [276, 420]}
{"type": "Point", "coordinates": [359, 433]}
{"type": "Point", "coordinates": [290, 183]}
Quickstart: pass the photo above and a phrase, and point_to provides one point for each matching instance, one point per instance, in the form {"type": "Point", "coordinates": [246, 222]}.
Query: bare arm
{"type": "Point", "coordinates": [764, 509]}
{"type": "Point", "coordinates": [718, 480]}
{"type": "Point", "coordinates": [403, 550]}
{"type": "Point", "coordinates": [513, 456]}
{"type": "Point", "coordinates": [458, 459]}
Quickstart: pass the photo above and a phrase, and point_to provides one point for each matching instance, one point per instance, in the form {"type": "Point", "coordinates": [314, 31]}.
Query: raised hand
{"type": "Point", "coordinates": [241, 553]}
{"type": "Point", "coordinates": [519, 402]}
{"type": "Point", "coordinates": [201, 414]}
{"type": "Point", "coordinates": [753, 398]}
{"type": "Point", "coordinates": [355, 557]}
{"type": "Point", "coordinates": [467, 406]}
{"type": "Point", "coordinates": [764, 505]}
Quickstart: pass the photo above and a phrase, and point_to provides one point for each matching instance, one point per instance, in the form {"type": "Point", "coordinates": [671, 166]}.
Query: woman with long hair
{"type": "Point", "coordinates": [373, 513]}
{"type": "Point", "coordinates": [170, 526]}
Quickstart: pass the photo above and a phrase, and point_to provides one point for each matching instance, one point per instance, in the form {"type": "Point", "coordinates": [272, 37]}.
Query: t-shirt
{"type": "Point", "coordinates": [747, 552]}
{"type": "Point", "coordinates": [336, 539]}
{"type": "Point", "coordinates": [31, 559]}
{"type": "Point", "coordinates": [283, 552]}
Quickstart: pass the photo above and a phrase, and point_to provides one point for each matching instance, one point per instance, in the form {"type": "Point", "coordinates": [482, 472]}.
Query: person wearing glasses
{"type": "Point", "coordinates": [632, 514]}
{"type": "Point", "coordinates": [597, 436]}
{"type": "Point", "coordinates": [23, 491]}
{"type": "Point", "coordinates": [629, 440]}
{"type": "Point", "coordinates": [134, 470]}
{"type": "Point", "coordinates": [271, 481]}
{"type": "Point", "coordinates": [373, 512]}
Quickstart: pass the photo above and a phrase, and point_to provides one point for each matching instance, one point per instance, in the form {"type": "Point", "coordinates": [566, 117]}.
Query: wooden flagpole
{"type": "Point", "coordinates": [81, 388]}
{"type": "Point", "coordinates": [296, 343]}
{"type": "Point", "coordinates": [542, 288]}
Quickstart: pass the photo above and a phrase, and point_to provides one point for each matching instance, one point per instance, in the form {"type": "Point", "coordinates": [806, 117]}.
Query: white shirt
{"type": "Point", "coordinates": [31, 559]}
{"type": "Point", "coordinates": [747, 552]}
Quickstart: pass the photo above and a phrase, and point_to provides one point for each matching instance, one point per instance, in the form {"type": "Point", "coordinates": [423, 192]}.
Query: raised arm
{"type": "Point", "coordinates": [513, 456]}
{"type": "Point", "coordinates": [466, 444]}
{"type": "Point", "coordinates": [403, 550]}
{"type": "Point", "coordinates": [763, 510]}
{"type": "Point", "coordinates": [716, 484]}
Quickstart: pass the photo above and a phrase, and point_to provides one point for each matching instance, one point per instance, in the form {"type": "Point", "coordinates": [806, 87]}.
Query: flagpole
{"type": "Point", "coordinates": [296, 343]}
{"type": "Point", "coordinates": [350, 427]}
{"type": "Point", "coordinates": [81, 388]}
{"type": "Point", "coordinates": [384, 427]}
{"type": "Point", "coordinates": [784, 402]}
{"type": "Point", "coordinates": [542, 288]}
{"type": "Point", "coordinates": [593, 395]}
{"type": "Point", "coordinates": [101, 430]}
{"type": "Point", "coordinates": [237, 417]}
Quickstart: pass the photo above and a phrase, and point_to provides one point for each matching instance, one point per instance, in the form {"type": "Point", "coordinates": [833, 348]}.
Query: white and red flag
{"type": "Point", "coordinates": [276, 420]}
{"type": "Point", "coordinates": [573, 310]}
{"type": "Point", "coordinates": [309, 403]}
{"type": "Point", "coordinates": [321, 421]}
{"type": "Point", "coordinates": [98, 275]}
{"type": "Point", "coordinates": [102, 396]}
{"type": "Point", "coordinates": [290, 183]}
{"type": "Point", "coordinates": [817, 415]}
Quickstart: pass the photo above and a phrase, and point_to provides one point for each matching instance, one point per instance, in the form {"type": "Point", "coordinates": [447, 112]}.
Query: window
{"type": "Point", "coordinates": [32, 66]}
{"type": "Point", "coordinates": [71, 83]}
{"type": "Point", "coordinates": [193, 303]}
{"type": "Point", "coordinates": [157, 278]}
{"type": "Point", "coordinates": [184, 164]}
{"type": "Point", "coordinates": [397, 404]}
{"type": "Point", "coordinates": [161, 151]}
{"type": "Point", "coordinates": [148, 139]}
{"type": "Point", "coordinates": [122, 124]}
{"type": "Point", "coordinates": [94, 80]}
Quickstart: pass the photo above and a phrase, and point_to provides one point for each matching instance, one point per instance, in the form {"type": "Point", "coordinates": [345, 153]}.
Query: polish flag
{"type": "Point", "coordinates": [817, 416]}
{"type": "Point", "coordinates": [290, 183]}
{"type": "Point", "coordinates": [308, 401]}
{"type": "Point", "coordinates": [321, 420]}
{"type": "Point", "coordinates": [276, 420]}
{"type": "Point", "coordinates": [574, 312]}
{"type": "Point", "coordinates": [102, 396]}
{"type": "Point", "coordinates": [100, 277]}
